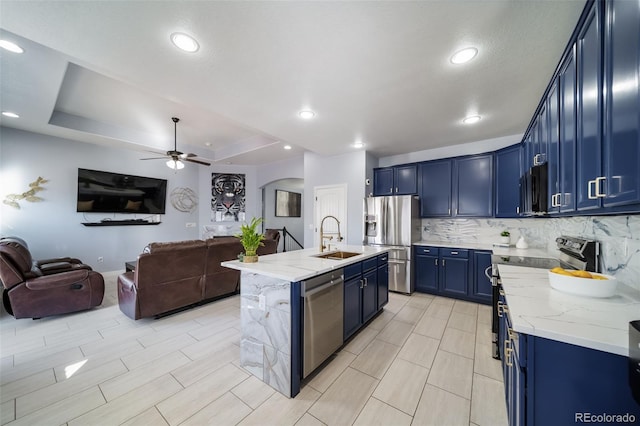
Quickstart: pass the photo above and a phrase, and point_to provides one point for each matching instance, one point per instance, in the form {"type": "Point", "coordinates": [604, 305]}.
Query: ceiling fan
{"type": "Point", "coordinates": [176, 157]}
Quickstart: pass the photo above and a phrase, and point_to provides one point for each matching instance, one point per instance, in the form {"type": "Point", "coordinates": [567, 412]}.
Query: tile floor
{"type": "Point", "coordinates": [423, 361]}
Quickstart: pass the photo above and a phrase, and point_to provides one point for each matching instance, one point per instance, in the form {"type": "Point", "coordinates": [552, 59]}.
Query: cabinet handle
{"type": "Point", "coordinates": [590, 184]}
{"type": "Point", "coordinates": [507, 355]}
{"type": "Point", "coordinates": [396, 189]}
{"type": "Point", "coordinates": [361, 283]}
{"type": "Point", "coordinates": [366, 282]}
{"type": "Point", "coordinates": [449, 211]}
{"type": "Point", "coordinates": [598, 186]}
{"type": "Point", "coordinates": [454, 252]}
{"type": "Point", "coordinates": [486, 272]}
{"type": "Point", "coordinates": [536, 161]}
{"type": "Point", "coordinates": [518, 210]}
{"type": "Point", "coordinates": [500, 305]}
{"type": "Point", "coordinates": [443, 264]}
{"type": "Point", "coordinates": [436, 262]}
{"type": "Point", "coordinates": [456, 212]}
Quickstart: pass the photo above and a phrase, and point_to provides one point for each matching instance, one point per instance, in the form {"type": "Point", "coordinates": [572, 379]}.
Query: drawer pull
{"type": "Point", "coordinates": [454, 252]}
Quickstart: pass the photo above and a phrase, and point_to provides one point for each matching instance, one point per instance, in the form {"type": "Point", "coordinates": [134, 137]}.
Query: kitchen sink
{"type": "Point", "coordinates": [337, 255]}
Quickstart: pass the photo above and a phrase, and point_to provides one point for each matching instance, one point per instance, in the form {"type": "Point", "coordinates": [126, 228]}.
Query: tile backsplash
{"type": "Point", "coordinates": [619, 237]}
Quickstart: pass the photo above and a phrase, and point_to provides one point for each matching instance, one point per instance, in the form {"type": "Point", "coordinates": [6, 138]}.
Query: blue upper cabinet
{"type": "Point", "coordinates": [473, 186]}
{"type": "Point", "coordinates": [405, 179]}
{"type": "Point", "coordinates": [553, 149]}
{"type": "Point", "coordinates": [620, 183]}
{"type": "Point", "coordinates": [566, 198]}
{"type": "Point", "coordinates": [507, 181]}
{"type": "Point", "coordinates": [589, 108]}
{"type": "Point", "coordinates": [435, 188]}
{"type": "Point", "coordinates": [383, 181]}
{"type": "Point", "coordinates": [397, 180]}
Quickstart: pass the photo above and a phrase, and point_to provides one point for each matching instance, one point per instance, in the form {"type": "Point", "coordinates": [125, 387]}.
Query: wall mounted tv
{"type": "Point", "coordinates": [105, 192]}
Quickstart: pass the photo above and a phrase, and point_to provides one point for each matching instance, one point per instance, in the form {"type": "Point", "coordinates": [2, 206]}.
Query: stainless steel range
{"type": "Point", "coordinates": [575, 253]}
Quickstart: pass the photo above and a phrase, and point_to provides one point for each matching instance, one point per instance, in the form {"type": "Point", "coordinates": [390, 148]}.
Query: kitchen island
{"type": "Point", "coordinates": [271, 311]}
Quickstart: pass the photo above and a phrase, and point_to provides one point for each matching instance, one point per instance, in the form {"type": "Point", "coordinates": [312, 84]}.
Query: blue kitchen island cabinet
{"type": "Point", "coordinates": [361, 293]}
{"type": "Point", "coordinates": [507, 182]}
{"type": "Point", "coordinates": [481, 290]}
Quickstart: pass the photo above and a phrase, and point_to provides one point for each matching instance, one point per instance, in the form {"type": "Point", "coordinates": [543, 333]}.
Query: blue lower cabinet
{"type": "Point", "coordinates": [366, 291]}
{"type": "Point", "coordinates": [481, 290]}
{"type": "Point", "coordinates": [548, 382]}
{"type": "Point", "coordinates": [457, 273]}
{"type": "Point", "coordinates": [383, 285]}
{"type": "Point", "coordinates": [454, 272]}
{"type": "Point", "coordinates": [369, 294]}
{"type": "Point", "coordinates": [426, 268]}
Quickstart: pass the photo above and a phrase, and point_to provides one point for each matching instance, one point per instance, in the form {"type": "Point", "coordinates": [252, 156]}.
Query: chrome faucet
{"type": "Point", "coordinates": [330, 237]}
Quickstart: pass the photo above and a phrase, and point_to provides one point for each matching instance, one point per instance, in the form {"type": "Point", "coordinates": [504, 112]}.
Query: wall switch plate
{"type": "Point", "coordinates": [191, 224]}
{"type": "Point", "coordinates": [262, 302]}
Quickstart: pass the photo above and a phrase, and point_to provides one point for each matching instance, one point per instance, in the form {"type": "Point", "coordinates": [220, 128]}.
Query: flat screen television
{"type": "Point", "coordinates": [106, 192]}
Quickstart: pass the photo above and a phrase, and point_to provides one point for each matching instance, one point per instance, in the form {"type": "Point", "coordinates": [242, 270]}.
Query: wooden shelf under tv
{"type": "Point", "coordinates": [120, 223]}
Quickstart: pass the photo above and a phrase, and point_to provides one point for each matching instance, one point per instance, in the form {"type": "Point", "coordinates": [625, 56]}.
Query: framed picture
{"type": "Point", "coordinates": [288, 204]}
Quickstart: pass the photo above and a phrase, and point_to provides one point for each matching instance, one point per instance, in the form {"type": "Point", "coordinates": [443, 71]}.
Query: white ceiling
{"type": "Point", "coordinates": [105, 72]}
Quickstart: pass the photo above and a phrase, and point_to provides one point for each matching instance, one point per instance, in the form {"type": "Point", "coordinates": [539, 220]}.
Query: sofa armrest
{"type": "Point", "coordinates": [62, 279]}
{"type": "Point", "coordinates": [127, 281]}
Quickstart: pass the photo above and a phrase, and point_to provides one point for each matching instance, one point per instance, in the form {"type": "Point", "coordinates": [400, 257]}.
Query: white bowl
{"type": "Point", "coordinates": [584, 286]}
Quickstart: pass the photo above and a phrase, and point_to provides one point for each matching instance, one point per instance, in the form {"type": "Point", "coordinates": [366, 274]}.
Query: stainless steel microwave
{"type": "Point", "coordinates": [534, 190]}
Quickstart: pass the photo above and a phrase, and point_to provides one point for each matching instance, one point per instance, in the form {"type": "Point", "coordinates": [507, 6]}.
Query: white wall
{"type": "Point", "coordinates": [477, 147]}
{"type": "Point", "coordinates": [53, 228]}
{"type": "Point", "coordinates": [294, 225]}
{"type": "Point", "coordinates": [349, 169]}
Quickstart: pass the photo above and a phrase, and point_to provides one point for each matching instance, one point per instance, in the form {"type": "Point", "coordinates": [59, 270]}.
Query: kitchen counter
{"type": "Point", "coordinates": [298, 265]}
{"type": "Point", "coordinates": [539, 310]}
{"type": "Point", "coordinates": [270, 310]}
{"type": "Point", "coordinates": [496, 249]}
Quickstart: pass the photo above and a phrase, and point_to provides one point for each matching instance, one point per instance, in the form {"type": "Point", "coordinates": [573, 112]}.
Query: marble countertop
{"type": "Point", "coordinates": [488, 246]}
{"type": "Point", "coordinates": [539, 310]}
{"type": "Point", "coordinates": [301, 264]}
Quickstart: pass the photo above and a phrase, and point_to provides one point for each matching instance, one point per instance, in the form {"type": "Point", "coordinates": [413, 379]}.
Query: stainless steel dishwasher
{"type": "Point", "coordinates": [323, 305]}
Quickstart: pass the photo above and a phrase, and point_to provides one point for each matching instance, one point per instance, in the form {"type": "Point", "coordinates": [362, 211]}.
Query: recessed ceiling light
{"type": "Point", "coordinates": [10, 114]}
{"type": "Point", "coordinates": [471, 119]}
{"type": "Point", "coordinates": [464, 55]}
{"type": "Point", "coordinates": [11, 46]}
{"type": "Point", "coordinates": [358, 144]}
{"type": "Point", "coordinates": [287, 147]}
{"type": "Point", "coordinates": [208, 144]}
{"type": "Point", "coordinates": [307, 114]}
{"type": "Point", "coordinates": [185, 42]}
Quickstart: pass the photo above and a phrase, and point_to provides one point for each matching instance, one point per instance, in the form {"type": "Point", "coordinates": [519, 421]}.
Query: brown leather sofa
{"type": "Point", "coordinates": [36, 289]}
{"type": "Point", "coordinates": [177, 275]}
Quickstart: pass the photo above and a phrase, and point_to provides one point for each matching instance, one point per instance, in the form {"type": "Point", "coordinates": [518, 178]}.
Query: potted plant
{"type": "Point", "coordinates": [250, 240]}
{"type": "Point", "coordinates": [505, 237]}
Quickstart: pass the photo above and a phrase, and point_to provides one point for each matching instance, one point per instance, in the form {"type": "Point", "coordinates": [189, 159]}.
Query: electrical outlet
{"type": "Point", "coordinates": [100, 259]}
{"type": "Point", "coordinates": [262, 302]}
{"type": "Point", "coordinates": [191, 224]}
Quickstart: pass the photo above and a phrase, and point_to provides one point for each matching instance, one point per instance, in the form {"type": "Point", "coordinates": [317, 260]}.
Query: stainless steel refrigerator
{"type": "Point", "coordinates": [394, 222]}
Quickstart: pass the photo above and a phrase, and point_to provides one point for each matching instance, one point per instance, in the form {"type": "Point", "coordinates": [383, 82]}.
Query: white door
{"type": "Point", "coordinates": [330, 201]}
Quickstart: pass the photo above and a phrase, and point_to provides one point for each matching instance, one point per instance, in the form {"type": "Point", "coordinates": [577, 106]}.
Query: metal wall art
{"type": "Point", "coordinates": [30, 195]}
{"type": "Point", "coordinates": [184, 199]}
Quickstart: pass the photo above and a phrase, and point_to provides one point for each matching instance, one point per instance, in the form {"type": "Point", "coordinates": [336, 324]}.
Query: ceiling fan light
{"type": "Point", "coordinates": [464, 55]}
{"type": "Point", "coordinates": [175, 164]}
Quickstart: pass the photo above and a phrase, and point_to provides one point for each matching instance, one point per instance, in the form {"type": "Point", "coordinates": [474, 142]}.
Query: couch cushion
{"type": "Point", "coordinates": [173, 245]}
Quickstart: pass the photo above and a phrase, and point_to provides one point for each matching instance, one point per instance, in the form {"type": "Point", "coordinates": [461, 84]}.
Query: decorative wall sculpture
{"type": "Point", "coordinates": [227, 197]}
{"type": "Point", "coordinates": [184, 199]}
{"type": "Point", "coordinates": [30, 195]}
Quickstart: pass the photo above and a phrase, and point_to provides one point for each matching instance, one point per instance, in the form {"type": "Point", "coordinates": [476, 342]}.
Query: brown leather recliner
{"type": "Point", "coordinates": [177, 275]}
{"type": "Point", "coordinates": [168, 276]}
{"type": "Point", "coordinates": [54, 265]}
{"type": "Point", "coordinates": [30, 292]}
